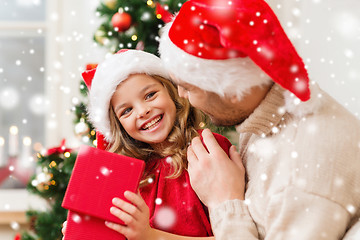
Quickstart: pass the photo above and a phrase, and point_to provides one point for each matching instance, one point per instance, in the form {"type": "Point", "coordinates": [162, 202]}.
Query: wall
{"type": "Point", "coordinates": [330, 44]}
{"type": "Point", "coordinates": [326, 34]}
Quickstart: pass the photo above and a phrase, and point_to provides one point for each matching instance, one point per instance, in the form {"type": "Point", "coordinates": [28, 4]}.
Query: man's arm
{"type": "Point", "coordinates": [297, 214]}
{"type": "Point", "coordinates": [292, 213]}
{"type": "Point", "coordinates": [231, 220]}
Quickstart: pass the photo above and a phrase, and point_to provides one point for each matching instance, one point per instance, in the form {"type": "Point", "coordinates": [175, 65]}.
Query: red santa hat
{"type": "Point", "coordinates": [230, 46]}
{"type": "Point", "coordinates": [103, 80]}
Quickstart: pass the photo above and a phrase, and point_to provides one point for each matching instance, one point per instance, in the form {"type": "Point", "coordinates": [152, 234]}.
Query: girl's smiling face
{"type": "Point", "coordinates": [144, 108]}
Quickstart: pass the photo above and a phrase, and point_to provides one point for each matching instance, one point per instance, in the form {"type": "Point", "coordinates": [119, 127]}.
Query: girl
{"type": "Point", "coordinates": [140, 114]}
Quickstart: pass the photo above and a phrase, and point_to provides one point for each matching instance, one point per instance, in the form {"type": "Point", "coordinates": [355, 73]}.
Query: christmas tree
{"type": "Point", "coordinates": [50, 183]}
{"type": "Point", "coordinates": [133, 24]}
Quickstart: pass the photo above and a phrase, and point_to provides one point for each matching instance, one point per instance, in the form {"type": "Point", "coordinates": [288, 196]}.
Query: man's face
{"type": "Point", "coordinates": [222, 111]}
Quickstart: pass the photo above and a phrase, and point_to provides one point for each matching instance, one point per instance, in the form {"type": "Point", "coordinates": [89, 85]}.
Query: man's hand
{"type": "Point", "coordinates": [213, 175]}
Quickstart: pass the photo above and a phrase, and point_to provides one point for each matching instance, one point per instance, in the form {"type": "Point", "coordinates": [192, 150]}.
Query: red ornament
{"type": "Point", "coordinates": [121, 21]}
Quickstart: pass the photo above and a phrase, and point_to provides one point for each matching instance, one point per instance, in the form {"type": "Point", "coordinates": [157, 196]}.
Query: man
{"type": "Point", "coordinates": [300, 148]}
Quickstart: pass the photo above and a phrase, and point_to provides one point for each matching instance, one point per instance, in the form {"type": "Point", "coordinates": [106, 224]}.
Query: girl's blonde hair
{"type": "Point", "coordinates": [185, 128]}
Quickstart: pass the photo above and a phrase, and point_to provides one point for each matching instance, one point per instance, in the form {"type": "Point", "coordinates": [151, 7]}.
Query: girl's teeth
{"type": "Point", "coordinates": [152, 123]}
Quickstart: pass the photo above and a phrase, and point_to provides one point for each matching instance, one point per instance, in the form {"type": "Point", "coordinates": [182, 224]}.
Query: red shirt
{"type": "Point", "coordinates": [173, 204]}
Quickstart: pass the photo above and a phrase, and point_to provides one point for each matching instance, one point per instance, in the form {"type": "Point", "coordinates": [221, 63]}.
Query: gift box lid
{"type": "Point", "coordinates": [98, 176]}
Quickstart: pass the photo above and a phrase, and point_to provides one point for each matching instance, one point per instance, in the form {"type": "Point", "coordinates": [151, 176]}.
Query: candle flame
{"type": "Point", "coordinates": [27, 141]}
{"type": "Point", "coordinates": [14, 130]}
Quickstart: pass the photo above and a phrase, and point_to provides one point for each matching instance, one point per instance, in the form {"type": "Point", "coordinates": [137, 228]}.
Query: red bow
{"type": "Point", "coordinates": [58, 150]}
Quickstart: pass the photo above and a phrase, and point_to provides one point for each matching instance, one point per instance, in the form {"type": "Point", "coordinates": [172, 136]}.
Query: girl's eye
{"type": "Point", "coordinates": [150, 95]}
{"type": "Point", "coordinates": [126, 111]}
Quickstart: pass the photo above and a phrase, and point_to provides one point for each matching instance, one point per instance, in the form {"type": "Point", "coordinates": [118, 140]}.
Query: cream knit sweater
{"type": "Point", "coordinates": [303, 169]}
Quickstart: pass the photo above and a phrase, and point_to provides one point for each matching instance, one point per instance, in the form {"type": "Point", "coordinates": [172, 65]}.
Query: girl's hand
{"type": "Point", "coordinates": [63, 229]}
{"type": "Point", "coordinates": [135, 217]}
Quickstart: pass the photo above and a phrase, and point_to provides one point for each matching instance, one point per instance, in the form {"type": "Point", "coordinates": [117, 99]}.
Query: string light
{"type": "Point", "coordinates": [134, 37]}
{"type": "Point", "coordinates": [52, 164]}
{"type": "Point", "coordinates": [67, 154]}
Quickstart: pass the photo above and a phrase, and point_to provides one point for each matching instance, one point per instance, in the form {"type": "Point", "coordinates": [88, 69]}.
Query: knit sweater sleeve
{"type": "Point", "coordinates": [231, 220]}
{"type": "Point", "coordinates": [297, 214]}
{"type": "Point", "coordinates": [292, 214]}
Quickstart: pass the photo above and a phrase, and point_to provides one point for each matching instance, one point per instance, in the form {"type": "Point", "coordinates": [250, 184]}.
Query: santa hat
{"type": "Point", "coordinates": [103, 80]}
{"type": "Point", "coordinates": [228, 47]}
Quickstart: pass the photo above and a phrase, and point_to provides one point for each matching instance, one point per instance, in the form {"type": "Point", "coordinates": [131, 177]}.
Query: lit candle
{"type": "Point", "coordinates": [13, 141]}
{"type": "Point", "coordinates": [2, 157]}
{"type": "Point", "coordinates": [26, 152]}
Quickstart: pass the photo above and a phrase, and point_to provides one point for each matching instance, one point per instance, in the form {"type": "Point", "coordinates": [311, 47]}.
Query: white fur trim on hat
{"type": "Point", "coordinates": [231, 77]}
{"type": "Point", "coordinates": [109, 75]}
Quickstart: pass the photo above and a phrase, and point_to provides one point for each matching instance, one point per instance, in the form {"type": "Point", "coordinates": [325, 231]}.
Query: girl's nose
{"type": "Point", "coordinates": [143, 111]}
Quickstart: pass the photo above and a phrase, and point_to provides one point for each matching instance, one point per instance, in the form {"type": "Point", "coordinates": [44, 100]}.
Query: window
{"type": "Point", "coordinates": [22, 83]}
{"type": "Point", "coordinates": [22, 10]}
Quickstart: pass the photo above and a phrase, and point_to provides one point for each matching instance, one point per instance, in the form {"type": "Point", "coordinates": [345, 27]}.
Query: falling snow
{"type": "Point", "coordinates": [15, 225]}
{"type": "Point", "coordinates": [105, 171]}
{"type": "Point", "coordinates": [165, 217]}
{"type": "Point", "coordinates": [158, 201]}
{"type": "Point", "coordinates": [351, 209]}
{"type": "Point", "coordinates": [76, 218]}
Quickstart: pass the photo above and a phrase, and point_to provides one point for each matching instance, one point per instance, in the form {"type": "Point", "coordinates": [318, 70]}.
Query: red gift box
{"type": "Point", "coordinates": [98, 176]}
